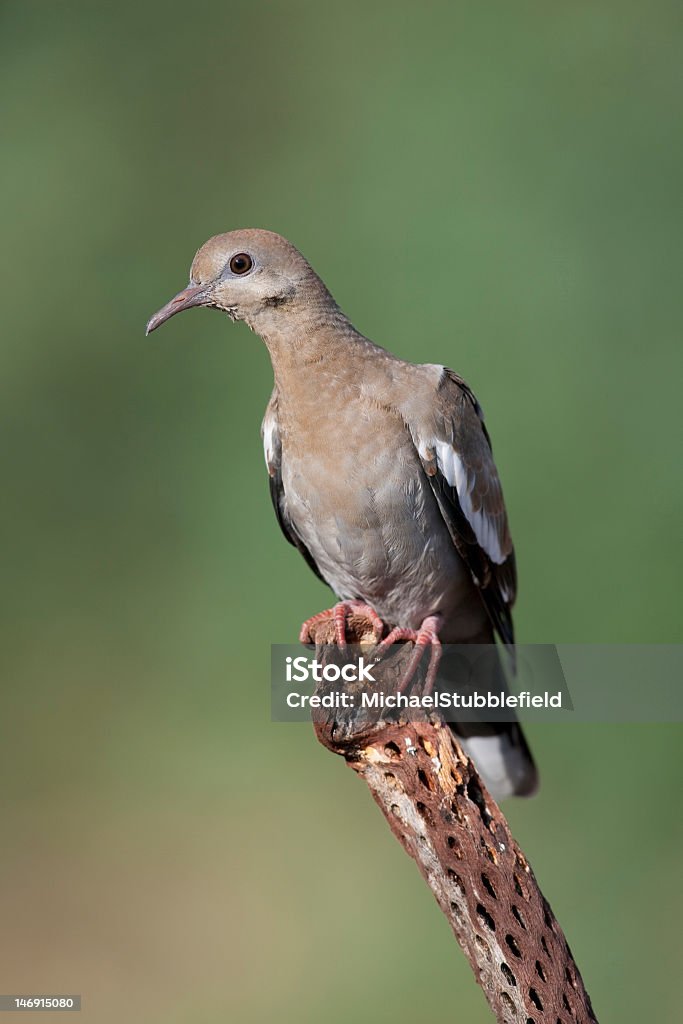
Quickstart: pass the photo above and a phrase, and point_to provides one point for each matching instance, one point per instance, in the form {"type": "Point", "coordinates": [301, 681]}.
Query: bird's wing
{"type": "Point", "coordinates": [272, 448]}
{"type": "Point", "coordinates": [455, 450]}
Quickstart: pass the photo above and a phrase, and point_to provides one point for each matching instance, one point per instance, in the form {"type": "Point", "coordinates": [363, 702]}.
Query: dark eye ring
{"type": "Point", "coordinates": [241, 263]}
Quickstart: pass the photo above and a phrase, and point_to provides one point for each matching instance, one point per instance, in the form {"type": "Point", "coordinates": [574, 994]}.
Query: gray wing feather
{"type": "Point", "coordinates": [272, 447]}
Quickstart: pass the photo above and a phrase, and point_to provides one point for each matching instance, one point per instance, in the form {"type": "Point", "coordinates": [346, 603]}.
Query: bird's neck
{"type": "Point", "coordinates": [305, 342]}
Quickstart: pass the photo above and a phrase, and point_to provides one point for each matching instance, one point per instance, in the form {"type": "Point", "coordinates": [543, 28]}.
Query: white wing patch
{"type": "Point", "coordinates": [268, 430]}
{"type": "Point", "coordinates": [450, 464]}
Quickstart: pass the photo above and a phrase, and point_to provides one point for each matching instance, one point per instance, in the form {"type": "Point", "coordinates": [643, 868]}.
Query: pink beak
{"type": "Point", "coordinates": [194, 295]}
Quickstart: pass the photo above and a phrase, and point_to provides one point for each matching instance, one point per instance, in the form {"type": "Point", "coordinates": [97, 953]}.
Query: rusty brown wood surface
{"type": "Point", "coordinates": [442, 814]}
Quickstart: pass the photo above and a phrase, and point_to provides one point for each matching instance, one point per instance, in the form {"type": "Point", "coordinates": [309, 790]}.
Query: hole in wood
{"type": "Point", "coordinates": [425, 780]}
{"type": "Point", "coordinates": [512, 944]}
{"type": "Point", "coordinates": [534, 997]}
{"type": "Point", "coordinates": [518, 917]}
{"type": "Point", "coordinates": [486, 882]}
{"type": "Point", "coordinates": [507, 1002]}
{"type": "Point", "coordinates": [539, 970]}
{"type": "Point", "coordinates": [545, 947]}
{"type": "Point", "coordinates": [477, 797]}
{"type": "Point", "coordinates": [490, 852]}
{"type": "Point", "coordinates": [548, 917]}
{"type": "Point", "coordinates": [457, 813]}
{"type": "Point", "coordinates": [486, 917]}
{"type": "Point", "coordinates": [425, 812]}
{"type": "Point", "coordinates": [507, 974]}
{"type": "Point", "coordinates": [454, 846]}
{"type": "Point", "coordinates": [455, 878]}
{"type": "Point", "coordinates": [519, 888]}
{"type": "Point", "coordinates": [392, 750]}
{"type": "Point", "coordinates": [483, 946]}
{"type": "Point", "coordinates": [565, 1003]}
{"type": "Point", "coordinates": [457, 912]}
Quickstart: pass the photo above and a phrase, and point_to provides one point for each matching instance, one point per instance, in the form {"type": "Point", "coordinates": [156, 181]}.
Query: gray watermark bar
{"type": "Point", "coordinates": [545, 682]}
{"type": "Point", "coordinates": [33, 1003]}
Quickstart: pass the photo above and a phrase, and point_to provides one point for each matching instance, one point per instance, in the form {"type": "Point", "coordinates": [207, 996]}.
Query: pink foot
{"type": "Point", "coordinates": [339, 615]}
{"type": "Point", "coordinates": [426, 636]}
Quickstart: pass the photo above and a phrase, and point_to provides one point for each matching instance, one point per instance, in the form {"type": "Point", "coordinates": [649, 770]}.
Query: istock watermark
{"type": "Point", "coordinates": [303, 669]}
{"type": "Point", "coordinates": [546, 682]}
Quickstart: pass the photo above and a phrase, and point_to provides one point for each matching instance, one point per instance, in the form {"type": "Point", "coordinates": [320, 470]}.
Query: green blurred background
{"type": "Point", "coordinates": [496, 187]}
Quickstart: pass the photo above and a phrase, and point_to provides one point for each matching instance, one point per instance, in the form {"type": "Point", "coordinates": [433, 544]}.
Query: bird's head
{"type": "Point", "coordinates": [251, 275]}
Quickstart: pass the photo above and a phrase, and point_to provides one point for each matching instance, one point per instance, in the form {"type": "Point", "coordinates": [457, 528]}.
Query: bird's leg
{"type": "Point", "coordinates": [339, 615]}
{"type": "Point", "coordinates": [426, 636]}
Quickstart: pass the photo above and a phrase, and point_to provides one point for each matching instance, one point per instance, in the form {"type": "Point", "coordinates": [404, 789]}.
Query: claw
{"type": "Point", "coordinates": [426, 636]}
{"type": "Point", "coordinates": [339, 615]}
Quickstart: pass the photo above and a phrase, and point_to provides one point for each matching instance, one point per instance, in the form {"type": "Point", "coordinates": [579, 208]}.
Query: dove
{"type": "Point", "coordinates": [381, 474]}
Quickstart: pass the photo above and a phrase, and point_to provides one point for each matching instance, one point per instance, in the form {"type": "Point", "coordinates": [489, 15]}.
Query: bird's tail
{"type": "Point", "coordinates": [498, 749]}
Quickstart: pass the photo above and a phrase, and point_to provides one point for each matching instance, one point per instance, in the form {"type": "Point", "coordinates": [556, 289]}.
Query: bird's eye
{"type": "Point", "coordinates": [241, 263]}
